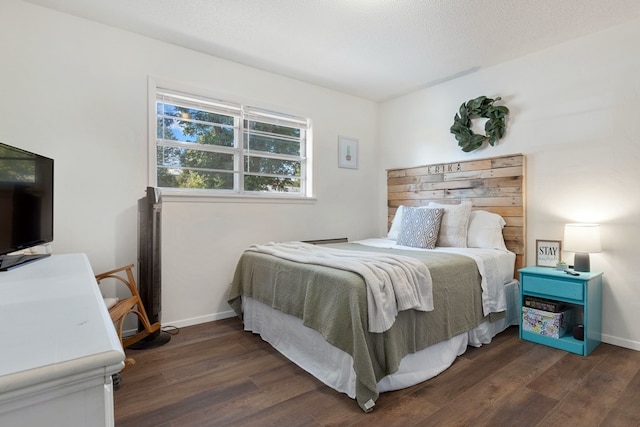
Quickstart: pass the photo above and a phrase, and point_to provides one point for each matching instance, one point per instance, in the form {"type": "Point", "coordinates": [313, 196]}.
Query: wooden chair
{"type": "Point", "coordinates": [123, 307]}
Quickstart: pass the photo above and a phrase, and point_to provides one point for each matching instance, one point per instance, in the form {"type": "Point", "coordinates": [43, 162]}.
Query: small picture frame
{"type": "Point", "coordinates": [347, 152]}
{"type": "Point", "coordinates": [548, 253]}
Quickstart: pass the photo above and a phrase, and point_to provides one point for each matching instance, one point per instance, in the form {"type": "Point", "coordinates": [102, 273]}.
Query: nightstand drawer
{"type": "Point", "coordinates": [553, 287]}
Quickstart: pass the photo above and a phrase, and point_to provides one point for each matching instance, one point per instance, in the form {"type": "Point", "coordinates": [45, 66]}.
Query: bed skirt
{"type": "Point", "coordinates": [309, 350]}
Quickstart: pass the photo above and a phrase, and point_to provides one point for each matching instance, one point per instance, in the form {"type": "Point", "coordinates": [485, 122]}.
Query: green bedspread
{"type": "Point", "coordinates": [334, 303]}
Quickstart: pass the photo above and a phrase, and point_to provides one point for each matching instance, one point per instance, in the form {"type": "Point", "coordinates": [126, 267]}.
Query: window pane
{"type": "Point", "coordinates": [271, 184]}
{"type": "Point", "coordinates": [190, 125]}
{"type": "Point", "coordinates": [193, 114]}
{"type": "Point", "coordinates": [274, 129]}
{"type": "Point", "coordinates": [186, 178]}
{"type": "Point", "coordinates": [271, 144]}
{"type": "Point", "coordinates": [262, 165]}
{"type": "Point", "coordinates": [180, 130]}
{"type": "Point", "coordinates": [182, 157]}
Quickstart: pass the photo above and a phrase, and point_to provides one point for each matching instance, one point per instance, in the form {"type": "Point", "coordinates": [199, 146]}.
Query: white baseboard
{"type": "Point", "coordinates": [621, 342]}
{"type": "Point", "coordinates": [197, 320]}
{"type": "Point", "coordinates": [188, 322]}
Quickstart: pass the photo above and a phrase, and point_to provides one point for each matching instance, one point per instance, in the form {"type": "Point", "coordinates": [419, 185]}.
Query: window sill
{"type": "Point", "coordinates": [198, 197]}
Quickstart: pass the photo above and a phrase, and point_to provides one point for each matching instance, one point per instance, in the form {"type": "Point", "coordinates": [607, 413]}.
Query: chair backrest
{"type": "Point", "coordinates": [129, 305]}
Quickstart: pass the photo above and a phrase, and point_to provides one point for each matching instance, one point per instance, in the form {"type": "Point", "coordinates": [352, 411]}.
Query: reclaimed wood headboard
{"type": "Point", "coordinates": [495, 184]}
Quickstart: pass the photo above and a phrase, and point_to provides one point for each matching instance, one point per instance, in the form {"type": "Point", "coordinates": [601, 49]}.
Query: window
{"type": "Point", "coordinates": [219, 147]}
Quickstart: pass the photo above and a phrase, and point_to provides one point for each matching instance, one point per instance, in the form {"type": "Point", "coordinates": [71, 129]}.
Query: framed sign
{"type": "Point", "coordinates": [347, 152]}
{"type": "Point", "coordinates": [548, 252]}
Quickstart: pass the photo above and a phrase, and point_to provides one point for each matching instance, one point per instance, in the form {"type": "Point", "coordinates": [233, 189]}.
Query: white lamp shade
{"type": "Point", "coordinates": [583, 238]}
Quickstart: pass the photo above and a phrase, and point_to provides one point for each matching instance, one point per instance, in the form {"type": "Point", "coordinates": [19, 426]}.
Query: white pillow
{"type": "Point", "coordinates": [394, 230]}
{"type": "Point", "coordinates": [396, 223]}
{"type": "Point", "coordinates": [485, 230]}
{"type": "Point", "coordinates": [420, 227]}
{"type": "Point", "coordinates": [455, 221]}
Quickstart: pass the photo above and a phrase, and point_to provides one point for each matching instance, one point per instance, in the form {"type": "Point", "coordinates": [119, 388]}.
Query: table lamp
{"type": "Point", "coordinates": [582, 239]}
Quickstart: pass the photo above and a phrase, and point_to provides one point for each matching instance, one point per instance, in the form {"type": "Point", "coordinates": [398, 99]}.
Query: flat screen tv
{"type": "Point", "coordinates": [26, 204]}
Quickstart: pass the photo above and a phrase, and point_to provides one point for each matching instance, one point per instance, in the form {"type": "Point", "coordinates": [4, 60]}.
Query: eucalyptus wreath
{"type": "Point", "coordinates": [494, 127]}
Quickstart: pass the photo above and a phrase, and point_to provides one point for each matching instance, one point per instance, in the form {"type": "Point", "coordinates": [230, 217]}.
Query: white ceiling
{"type": "Point", "coordinates": [376, 49]}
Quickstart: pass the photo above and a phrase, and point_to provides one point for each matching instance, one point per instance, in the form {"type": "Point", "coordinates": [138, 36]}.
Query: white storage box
{"type": "Point", "coordinates": [547, 323]}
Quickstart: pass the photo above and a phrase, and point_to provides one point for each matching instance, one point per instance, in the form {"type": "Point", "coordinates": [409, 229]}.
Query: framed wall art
{"type": "Point", "coordinates": [548, 252]}
{"type": "Point", "coordinates": [347, 152]}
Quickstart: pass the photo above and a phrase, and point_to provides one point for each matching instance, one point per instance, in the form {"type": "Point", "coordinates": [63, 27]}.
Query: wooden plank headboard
{"type": "Point", "coordinates": [495, 184]}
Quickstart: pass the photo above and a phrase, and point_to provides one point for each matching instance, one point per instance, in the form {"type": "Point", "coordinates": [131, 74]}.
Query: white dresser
{"type": "Point", "coordinates": [58, 346]}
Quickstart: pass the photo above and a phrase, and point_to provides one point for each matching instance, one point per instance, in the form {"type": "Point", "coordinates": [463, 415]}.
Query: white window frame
{"type": "Point", "coordinates": [241, 112]}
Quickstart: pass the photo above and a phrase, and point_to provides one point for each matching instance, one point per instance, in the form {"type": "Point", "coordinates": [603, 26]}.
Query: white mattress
{"type": "Point", "coordinates": [504, 260]}
{"type": "Point", "coordinates": [309, 350]}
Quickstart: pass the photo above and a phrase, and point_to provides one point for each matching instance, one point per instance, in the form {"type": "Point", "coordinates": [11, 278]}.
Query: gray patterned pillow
{"type": "Point", "coordinates": [420, 227]}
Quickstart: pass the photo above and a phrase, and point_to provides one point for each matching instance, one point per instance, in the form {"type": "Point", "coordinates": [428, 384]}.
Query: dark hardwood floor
{"type": "Point", "coordinates": [215, 374]}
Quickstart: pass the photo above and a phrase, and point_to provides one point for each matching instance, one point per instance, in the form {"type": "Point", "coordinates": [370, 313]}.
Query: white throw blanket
{"type": "Point", "coordinates": [394, 283]}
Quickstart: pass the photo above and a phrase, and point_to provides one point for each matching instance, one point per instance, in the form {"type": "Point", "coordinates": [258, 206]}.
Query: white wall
{"type": "Point", "coordinates": [574, 114]}
{"type": "Point", "coordinates": [76, 91]}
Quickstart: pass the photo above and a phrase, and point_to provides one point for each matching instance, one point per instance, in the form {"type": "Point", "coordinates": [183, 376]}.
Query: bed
{"type": "Point", "coordinates": [323, 316]}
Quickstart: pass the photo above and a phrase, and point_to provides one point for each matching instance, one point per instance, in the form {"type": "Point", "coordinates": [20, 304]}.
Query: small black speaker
{"type": "Point", "coordinates": [578, 332]}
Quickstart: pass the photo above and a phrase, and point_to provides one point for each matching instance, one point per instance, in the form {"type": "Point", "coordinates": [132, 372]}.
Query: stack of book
{"type": "Point", "coordinates": [544, 304]}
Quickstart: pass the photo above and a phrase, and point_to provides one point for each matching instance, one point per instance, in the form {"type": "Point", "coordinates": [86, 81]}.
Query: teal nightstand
{"type": "Point", "coordinates": [583, 293]}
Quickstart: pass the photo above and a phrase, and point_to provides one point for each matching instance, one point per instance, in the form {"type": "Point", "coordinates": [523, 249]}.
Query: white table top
{"type": "Point", "coordinates": [54, 323]}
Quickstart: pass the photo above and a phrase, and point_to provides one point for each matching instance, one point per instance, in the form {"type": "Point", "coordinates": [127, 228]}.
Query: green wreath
{"type": "Point", "coordinates": [494, 127]}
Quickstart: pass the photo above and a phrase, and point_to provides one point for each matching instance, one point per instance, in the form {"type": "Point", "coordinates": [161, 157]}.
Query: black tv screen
{"type": "Point", "coordinates": [26, 199]}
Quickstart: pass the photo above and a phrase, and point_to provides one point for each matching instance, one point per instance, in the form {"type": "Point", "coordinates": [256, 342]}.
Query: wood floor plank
{"type": "Point", "coordinates": [329, 407]}
{"type": "Point", "coordinates": [408, 410]}
{"type": "Point", "coordinates": [626, 410]}
{"type": "Point", "coordinates": [521, 407]}
{"type": "Point", "coordinates": [620, 361]}
{"type": "Point", "coordinates": [563, 376]}
{"type": "Point", "coordinates": [464, 373]}
{"type": "Point", "coordinates": [175, 403]}
{"type": "Point", "coordinates": [261, 402]}
{"type": "Point", "coordinates": [590, 401]}
{"type": "Point", "coordinates": [486, 399]}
